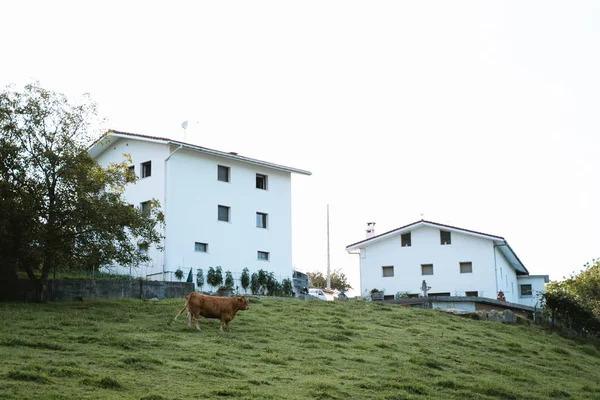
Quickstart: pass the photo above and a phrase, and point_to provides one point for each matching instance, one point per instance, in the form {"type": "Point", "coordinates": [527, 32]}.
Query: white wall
{"type": "Point", "coordinates": [145, 188]}
{"type": "Point", "coordinates": [426, 249]}
{"type": "Point", "coordinates": [507, 278]}
{"type": "Point", "coordinates": [193, 195]}
{"type": "Point", "coordinates": [538, 286]}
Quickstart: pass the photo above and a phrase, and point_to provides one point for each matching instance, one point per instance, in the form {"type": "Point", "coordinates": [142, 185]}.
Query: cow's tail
{"type": "Point", "coordinates": [187, 301]}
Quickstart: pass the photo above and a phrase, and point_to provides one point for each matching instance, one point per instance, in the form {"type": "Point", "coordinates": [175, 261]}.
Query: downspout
{"type": "Point", "coordinates": [165, 213]}
{"type": "Point", "coordinates": [495, 269]}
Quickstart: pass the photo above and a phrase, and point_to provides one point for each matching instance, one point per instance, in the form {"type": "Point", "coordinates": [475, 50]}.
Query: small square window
{"type": "Point", "coordinates": [263, 255]}
{"type": "Point", "coordinates": [223, 173]}
{"type": "Point", "coordinates": [426, 269]}
{"type": "Point", "coordinates": [146, 207]}
{"type": "Point", "coordinates": [466, 267]}
{"type": "Point", "coordinates": [131, 169]}
{"type": "Point", "coordinates": [143, 248]}
{"type": "Point", "coordinates": [224, 213]}
{"type": "Point", "coordinates": [261, 181]}
{"type": "Point", "coordinates": [445, 237]}
{"type": "Point", "coordinates": [146, 169]}
{"type": "Point", "coordinates": [388, 271]}
{"type": "Point", "coordinates": [261, 220]}
{"type": "Point", "coordinates": [201, 247]}
{"type": "Point", "coordinates": [472, 294]}
{"type": "Point", "coordinates": [526, 290]}
{"type": "Point", "coordinates": [406, 240]}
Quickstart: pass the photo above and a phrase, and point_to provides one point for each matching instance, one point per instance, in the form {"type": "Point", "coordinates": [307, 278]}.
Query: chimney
{"type": "Point", "coordinates": [370, 229]}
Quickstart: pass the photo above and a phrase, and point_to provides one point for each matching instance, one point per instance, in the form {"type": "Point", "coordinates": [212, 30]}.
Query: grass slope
{"type": "Point", "coordinates": [282, 349]}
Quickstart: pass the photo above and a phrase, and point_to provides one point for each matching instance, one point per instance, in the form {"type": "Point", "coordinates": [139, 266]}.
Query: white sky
{"type": "Point", "coordinates": [481, 115]}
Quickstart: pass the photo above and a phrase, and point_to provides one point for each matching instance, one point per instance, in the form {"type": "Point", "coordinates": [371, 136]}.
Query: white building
{"type": "Point", "coordinates": [453, 262]}
{"type": "Point", "coordinates": [221, 208]}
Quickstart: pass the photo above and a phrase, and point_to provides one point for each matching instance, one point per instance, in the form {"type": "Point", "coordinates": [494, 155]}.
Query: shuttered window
{"type": "Point", "coordinates": [223, 173]}
{"type": "Point", "coordinates": [426, 269]}
{"type": "Point", "coordinates": [466, 267]}
{"type": "Point", "coordinates": [224, 213]}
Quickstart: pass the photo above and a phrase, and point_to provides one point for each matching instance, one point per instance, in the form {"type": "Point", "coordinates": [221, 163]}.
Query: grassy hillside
{"type": "Point", "coordinates": [282, 349]}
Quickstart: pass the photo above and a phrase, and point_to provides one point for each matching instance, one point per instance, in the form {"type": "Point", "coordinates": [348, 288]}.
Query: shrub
{"type": "Point", "coordinates": [179, 273]}
{"type": "Point", "coordinates": [287, 287]}
{"type": "Point", "coordinates": [229, 280]}
{"type": "Point", "coordinates": [200, 278]}
{"type": "Point", "coordinates": [245, 278]}
{"type": "Point", "coordinates": [254, 285]}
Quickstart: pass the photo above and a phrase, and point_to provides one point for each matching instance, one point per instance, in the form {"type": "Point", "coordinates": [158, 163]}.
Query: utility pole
{"type": "Point", "coordinates": [328, 259]}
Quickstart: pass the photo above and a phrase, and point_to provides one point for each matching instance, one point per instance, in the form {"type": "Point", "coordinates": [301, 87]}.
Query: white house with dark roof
{"type": "Point", "coordinates": [221, 208]}
{"type": "Point", "coordinates": [453, 262]}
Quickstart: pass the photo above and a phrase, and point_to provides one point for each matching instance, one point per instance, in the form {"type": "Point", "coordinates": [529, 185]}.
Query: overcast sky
{"type": "Point", "coordinates": [481, 115]}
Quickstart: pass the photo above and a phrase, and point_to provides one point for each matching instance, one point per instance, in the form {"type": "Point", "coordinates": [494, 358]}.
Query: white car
{"type": "Point", "coordinates": [318, 293]}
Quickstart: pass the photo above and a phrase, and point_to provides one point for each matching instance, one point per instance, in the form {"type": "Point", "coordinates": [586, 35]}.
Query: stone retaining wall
{"type": "Point", "coordinates": [70, 289]}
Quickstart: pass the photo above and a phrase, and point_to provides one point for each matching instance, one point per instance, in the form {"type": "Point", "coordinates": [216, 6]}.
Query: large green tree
{"type": "Point", "coordinates": [60, 208]}
{"type": "Point", "coordinates": [338, 280]}
{"type": "Point", "coordinates": [583, 288]}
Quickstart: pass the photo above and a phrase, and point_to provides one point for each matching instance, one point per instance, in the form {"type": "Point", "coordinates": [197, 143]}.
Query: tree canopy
{"type": "Point", "coordinates": [576, 300]}
{"type": "Point", "coordinates": [60, 208]}
{"type": "Point", "coordinates": [338, 280]}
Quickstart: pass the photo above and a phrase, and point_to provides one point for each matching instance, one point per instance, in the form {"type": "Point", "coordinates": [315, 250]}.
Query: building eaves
{"type": "Point", "coordinates": [229, 155]}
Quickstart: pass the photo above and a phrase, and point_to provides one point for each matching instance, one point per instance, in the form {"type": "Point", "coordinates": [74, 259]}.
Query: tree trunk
{"type": "Point", "coordinates": [8, 279]}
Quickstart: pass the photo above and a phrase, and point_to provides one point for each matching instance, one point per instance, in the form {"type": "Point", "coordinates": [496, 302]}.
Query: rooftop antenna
{"type": "Point", "coordinates": [184, 125]}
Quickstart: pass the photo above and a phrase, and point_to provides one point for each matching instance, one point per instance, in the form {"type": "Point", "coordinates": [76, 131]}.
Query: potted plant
{"type": "Point", "coordinates": [227, 288]}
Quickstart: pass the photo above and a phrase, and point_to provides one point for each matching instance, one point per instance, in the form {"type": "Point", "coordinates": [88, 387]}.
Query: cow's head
{"type": "Point", "coordinates": [242, 303]}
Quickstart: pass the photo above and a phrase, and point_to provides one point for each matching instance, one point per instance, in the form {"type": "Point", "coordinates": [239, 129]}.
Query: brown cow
{"type": "Point", "coordinates": [223, 308]}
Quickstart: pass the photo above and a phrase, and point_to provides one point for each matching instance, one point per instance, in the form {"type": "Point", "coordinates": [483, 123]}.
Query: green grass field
{"type": "Point", "coordinates": [282, 349]}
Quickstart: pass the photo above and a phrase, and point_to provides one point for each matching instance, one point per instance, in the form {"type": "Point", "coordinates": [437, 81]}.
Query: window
{"type": "Point", "coordinates": [224, 213]}
{"type": "Point", "coordinates": [201, 247]}
{"type": "Point", "coordinates": [263, 255]}
{"type": "Point", "coordinates": [143, 248]}
{"type": "Point", "coordinates": [466, 267]}
{"type": "Point", "coordinates": [132, 169]}
{"type": "Point", "coordinates": [426, 269]}
{"type": "Point", "coordinates": [146, 169]}
{"type": "Point", "coordinates": [439, 294]}
{"type": "Point", "coordinates": [445, 237]}
{"type": "Point", "coordinates": [261, 220]}
{"type": "Point", "coordinates": [406, 240]}
{"type": "Point", "coordinates": [388, 271]}
{"type": "Point", "coordinates": [261, 181]}
{"type": "Point", "coordinates": [526, 290]}
{"type": "Point", "coordinates": [223, 173]}
{"type": "Point", "coordinates": [472, 294]}
{"type": "Point", "coordinates": [146, 207]}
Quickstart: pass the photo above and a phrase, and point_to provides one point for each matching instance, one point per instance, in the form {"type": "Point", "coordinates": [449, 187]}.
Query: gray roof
{"type": "Point", "coordinates": [96, 149]}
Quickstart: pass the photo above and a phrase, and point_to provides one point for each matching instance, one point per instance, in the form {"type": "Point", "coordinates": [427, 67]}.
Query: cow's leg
{"type": "Point", "coordinates": [221, 327]}
{"type": "Point", "coordinates": [189, 315]}
{"type": "Point", "coordinates": [197, 323]}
